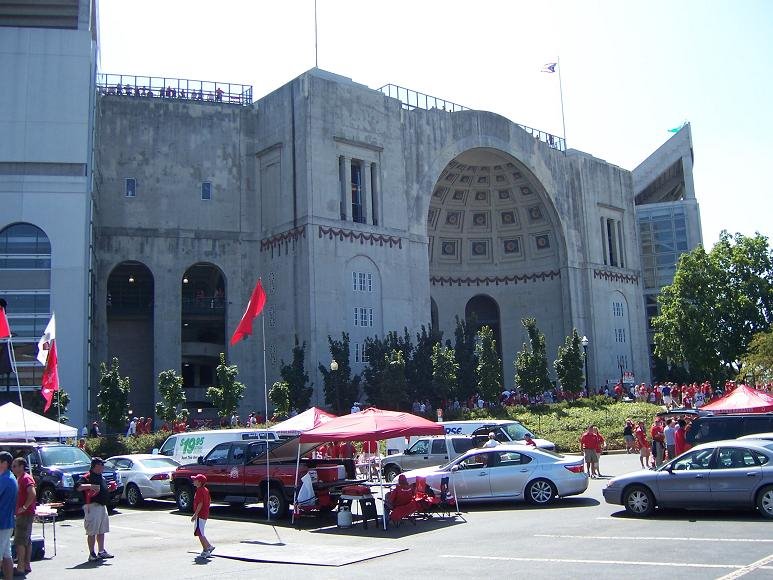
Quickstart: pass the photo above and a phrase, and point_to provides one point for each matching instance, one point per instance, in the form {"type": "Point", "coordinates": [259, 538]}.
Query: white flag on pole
{"type": "Point", "coordinates": [44, 344]}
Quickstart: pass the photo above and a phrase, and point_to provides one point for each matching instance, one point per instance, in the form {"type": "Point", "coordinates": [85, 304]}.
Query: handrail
{"type": "Point", "coordinates": [415, 100]}
{"type": "Point", "coordinates": [174, 88]}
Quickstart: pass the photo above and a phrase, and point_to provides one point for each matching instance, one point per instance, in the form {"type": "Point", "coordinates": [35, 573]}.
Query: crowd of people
{"type": "Point", "coordinates": [169, 92]}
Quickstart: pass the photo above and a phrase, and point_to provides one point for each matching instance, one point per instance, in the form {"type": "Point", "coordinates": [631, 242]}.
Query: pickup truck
{"type": "Point", "coordinates": [237, 474]}
{"type": "Point", "coordinates": [427, 452]}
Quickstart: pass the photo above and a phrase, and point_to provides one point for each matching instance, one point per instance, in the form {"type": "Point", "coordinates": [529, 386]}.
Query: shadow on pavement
{"type": "Point", "coordinates": [685, 515]}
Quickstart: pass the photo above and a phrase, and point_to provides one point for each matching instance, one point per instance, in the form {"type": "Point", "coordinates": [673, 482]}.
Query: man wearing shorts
{"type": "Point", "coordinates": [643, 444]}
{"type": "Point", "coordinates": [96, 498]}
{"type": "Point", "coordinates": [25, 512]}
{"type": "Point", "coordinates": [588, 445]}
{"type": "Point", "coordinates": [8, 492]}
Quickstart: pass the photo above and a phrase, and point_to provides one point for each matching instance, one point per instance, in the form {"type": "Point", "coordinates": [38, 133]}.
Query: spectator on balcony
{"type": "Point", "coordinates": [219, 94]}
{"type": "Point", "coordinates": [118, 89]}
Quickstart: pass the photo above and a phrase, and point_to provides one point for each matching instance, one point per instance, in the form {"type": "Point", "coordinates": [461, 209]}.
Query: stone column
{"type": "Point", "coordinates": [166, 324]}
{"type": "Point", "coordinates": [364, 190]}
{"type": "Point", "coordinates": [375, 204]}
{"type": "Point", "coordinates": [348, 187]}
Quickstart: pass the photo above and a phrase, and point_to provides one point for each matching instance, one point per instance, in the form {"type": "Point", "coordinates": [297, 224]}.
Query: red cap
{"type": "Point", "coordinates": [200, 477]}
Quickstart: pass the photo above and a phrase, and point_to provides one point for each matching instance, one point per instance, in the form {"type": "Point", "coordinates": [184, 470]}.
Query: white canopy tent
{"type": "Point", "coordinates": [13, 419]}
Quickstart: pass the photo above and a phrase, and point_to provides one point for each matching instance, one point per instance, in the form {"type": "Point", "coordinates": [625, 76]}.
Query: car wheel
{"type": "Point", "coordinates": [183, 495]}
{"type": "Point", "coordinates": [391, 472]}
{"type": "Point", "coordinates": [639, 501]}
{"type": "Point", "coordinates": [47, 495]}
{"type": "Point", "coordinates": [765, 501]}
{"type": "Point", "coordinates": [540, 492]}
{"type": "Point", "coordinates": [133, 495]}
{"type": "Point", "coordinates": [275, 503]}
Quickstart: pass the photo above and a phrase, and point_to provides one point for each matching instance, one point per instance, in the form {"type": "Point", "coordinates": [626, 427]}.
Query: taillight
{"type": "Point", "coordinates": [574, 468]}
{"type": "Point", "coordinates": [160, 476]}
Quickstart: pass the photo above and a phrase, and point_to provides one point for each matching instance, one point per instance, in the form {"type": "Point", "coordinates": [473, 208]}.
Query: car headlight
{"type": "Point", "coordinates": [67, 480]}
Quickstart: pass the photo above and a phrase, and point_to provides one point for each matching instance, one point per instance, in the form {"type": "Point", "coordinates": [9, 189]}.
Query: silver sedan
{"type": "Point", "coordinates": [507, 472]}
{"type": "Point", "coordinates": [722, 474]}
{"type": "Point", "coordinates": [144, 476]}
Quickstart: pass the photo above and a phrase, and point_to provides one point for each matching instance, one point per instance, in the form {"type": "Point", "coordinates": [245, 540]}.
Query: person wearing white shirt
{"type": "Point", "coordinates": [132, 427]}
{"type": "Point", "coordinates": [355, 408]}
{"type": "Point", "coordinates": [492, 442]}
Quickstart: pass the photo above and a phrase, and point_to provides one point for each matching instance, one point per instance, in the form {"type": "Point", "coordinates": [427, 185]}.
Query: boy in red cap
{"type": "Point", "coordinates": [200, 515]}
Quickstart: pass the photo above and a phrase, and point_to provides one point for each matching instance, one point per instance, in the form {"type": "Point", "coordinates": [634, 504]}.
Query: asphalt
{"type": "Point", "coordinates": [576, 536]}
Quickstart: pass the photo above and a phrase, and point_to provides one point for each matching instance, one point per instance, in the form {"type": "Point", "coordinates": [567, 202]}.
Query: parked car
{"type": "Point", "coordinates": [766, 436]}
{"type": "Point", "coordinates": [237, 474]}
{"type": "Point", "coordinates": [507, 472]}
{"type": "Point", "coordinates": [718, 427]}
{"type": "Point", "coordinates": [426, 452]}
{"type": "Point", "coordinates": [143, 476]}
{"type": "Point", "coordinates": [188, 447]}
{"type": "Point", "coordinates": [55, 469]}
{"type": "Point", "coordinates": [721, 474]}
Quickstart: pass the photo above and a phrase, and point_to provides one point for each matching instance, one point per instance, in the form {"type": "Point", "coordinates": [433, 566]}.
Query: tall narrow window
{"type": "Point", "coordinates": [604, 243]}
{"type": "Point", "coordinates": [130, 187]}
{"type": "Point", "coordinates": [620, 245]}
{"type": "Point", "coordinates": [365, 358]}
{"type": "Point", "coordinates": [206, 191]}
{"type": "Point", "coordinates": [370, 282]}
{"type": "Point", "coordinates": [356, 352]}
{"type": "Point", "coordinates": [358, 214]}
{"type": "Point", "coordinates": [356, 316]}
{"type": "Point", "coordinates": [354, 281]}
{"type": "Point", "coordinates": [374, 192]}
{"type": "Point", "coordinates": [612, 242]}
{"type": "Point", "coordinates": [342, 183]}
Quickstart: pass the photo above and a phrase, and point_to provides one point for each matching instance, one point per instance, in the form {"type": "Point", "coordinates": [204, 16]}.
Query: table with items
{"type": "Point", "coordinates": [46, 513]}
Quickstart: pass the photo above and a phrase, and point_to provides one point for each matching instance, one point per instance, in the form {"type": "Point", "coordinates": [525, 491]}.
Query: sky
{"type": "Point", "coordinates": [631, 70]}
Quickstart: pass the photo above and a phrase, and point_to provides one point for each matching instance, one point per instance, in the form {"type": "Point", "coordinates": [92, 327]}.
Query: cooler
{"type": "Point", "coordinates": [329, 473]}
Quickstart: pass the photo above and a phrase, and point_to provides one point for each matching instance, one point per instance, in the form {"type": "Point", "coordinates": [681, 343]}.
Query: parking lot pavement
{"type": "Point", "coordinates": [580, 535]}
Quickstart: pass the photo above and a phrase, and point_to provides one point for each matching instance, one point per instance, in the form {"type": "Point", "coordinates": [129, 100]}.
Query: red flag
{"type": "Point", "coordinates": [255, 306]}
{"type": "Point", "coordinates": [5, 330]}
{"type": "Point", "coordinates": [50, 383]}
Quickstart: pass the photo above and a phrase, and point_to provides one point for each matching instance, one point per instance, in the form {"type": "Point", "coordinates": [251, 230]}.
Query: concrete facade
{"type": "Point", "coordinates": [447, 207]}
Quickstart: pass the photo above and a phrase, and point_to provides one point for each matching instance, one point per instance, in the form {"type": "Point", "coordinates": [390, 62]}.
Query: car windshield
{"type": "Point", "coordinates": [515, 431]}
{"type": "Point", "coordinates": [64, 456]}
{"type": "Point", "coordinates": [159, 463]}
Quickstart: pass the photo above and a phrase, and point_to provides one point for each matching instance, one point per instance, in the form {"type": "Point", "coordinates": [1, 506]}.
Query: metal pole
{"type": "Point", "coordinates": [265, 422]}
{"type": "Point", "coordinates": [18, 385]}
{"type": "Point", "coordinates": [316, 59]}
{"type": "Point", "coordinates": [585, 351]}
{"type": "Point", "coordinates": [561, 92]}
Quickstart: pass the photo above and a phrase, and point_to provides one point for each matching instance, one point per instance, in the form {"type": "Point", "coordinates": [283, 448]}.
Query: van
{"type": "Point", "coordinates": [188, 447]}
{"type": "Point", "coordinates": [505, 431]}
{"type": "Point", "coordinates": [718, 427]}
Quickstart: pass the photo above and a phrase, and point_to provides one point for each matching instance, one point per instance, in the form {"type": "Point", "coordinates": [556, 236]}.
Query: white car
{"type": "Point", "coordinates": [765, 436]}
{"type": "Point", "coordinates": [507, 472]}
{"type": "Point", "coordinates": [143, 476]}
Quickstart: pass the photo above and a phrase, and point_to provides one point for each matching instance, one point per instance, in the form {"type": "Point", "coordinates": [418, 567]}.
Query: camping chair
{"type": "Point", "coordinates": [425, 499]}
{"type": "Point", "coordinates": [307, 498]}
{"type": "Point", "coordinates": [400, 503]}
{"type": "Point", "coordinates": [444, 504]}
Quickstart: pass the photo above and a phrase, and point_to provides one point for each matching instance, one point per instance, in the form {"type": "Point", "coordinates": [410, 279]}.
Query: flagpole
{"type": "Point", "coordinates": [561, 92]}
{"type": "Point", "coordinates": [265, 424]}
{"type": "Point", "coordinates": [18, 386]}
{"type": "Point", "coordinates": [316, 59]}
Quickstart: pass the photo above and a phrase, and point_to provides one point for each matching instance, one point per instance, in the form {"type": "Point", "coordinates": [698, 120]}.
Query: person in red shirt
{"type": "Point", "coordinates": [680, 445]}
{"type": "Point", "coordinates": [148, 425]}
{"type": "Point", "coordinates": [599, 449]}
{"type": "Point", "coordinates": [200, 515]}
{"type": "Point", "coordinates": [528, 440]}
{"type": "Point", "coordinates": [658, 443]}
{"type": "Point", "coordinates": [25, 512]}
{"type": "Point", "coordinates": [588, 446]}
{"type": "Point", "coordinates": [644, 447]}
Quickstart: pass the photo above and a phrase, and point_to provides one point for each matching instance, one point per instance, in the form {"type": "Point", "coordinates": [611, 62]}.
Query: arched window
{"type": "Point", "coordinates": [25, 267]}
{"type": "Point", "coordinates": [484, 311]}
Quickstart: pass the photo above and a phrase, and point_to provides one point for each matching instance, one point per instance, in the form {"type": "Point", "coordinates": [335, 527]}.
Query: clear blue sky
{"type": "Point", "coordinates": [631, 70]}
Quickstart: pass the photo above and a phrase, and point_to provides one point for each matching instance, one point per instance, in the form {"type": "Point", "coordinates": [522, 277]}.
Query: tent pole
{"type": "Point", "coordinates": [265, 425]}
{"type": "Point", "coordinates": [18, 386]}
{"type": "Point", "coordinates": [295, 488]}
{"type": "Point", "coordinates": [451, 473]}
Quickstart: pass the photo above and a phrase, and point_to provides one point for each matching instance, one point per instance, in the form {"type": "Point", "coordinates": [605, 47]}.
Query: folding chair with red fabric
{"type": "Point", "coordinates": [400, 503]}
{"type": "Point", "coordinates": [425, 498]}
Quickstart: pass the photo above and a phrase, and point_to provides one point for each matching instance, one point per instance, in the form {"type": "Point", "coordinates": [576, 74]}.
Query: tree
{"type": "Point", "coordinates": [33, 401]}
{"type": "Point", "coordinates": [418, 365]}
{"type": "Point", "coordinates": [716, 303]}
{"type": "Point", "coordinates": [170, 387]}
{"type": "Point", "coordinates": [531, 363]}
{"type": "Point", "coordinates": [113, 397]}
{"type": "Point", "coordinates": [228, 392]}
{"type": "Point", "coordinates": [296, 377]}
{"type": "Point", "coordinates": [444, 369]}
{"type": "Point", "coordinates": [758, 361]}
{"type": "Point", "coordinates": [341, 389]}
{"type": "Point", "coordinates": [489, 368]}
{"type": "Point", "coordinates": [388, 389]}
{"type": "Point", "coordinates": [280, 397]}
{"type": "Point", "coordinates": [569, 364]}
{"type": "Point", "coordinates": [464, 353]}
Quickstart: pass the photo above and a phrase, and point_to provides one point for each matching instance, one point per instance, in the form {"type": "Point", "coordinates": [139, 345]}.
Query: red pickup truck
{"type": "Point", "coordinates": [237, 474]}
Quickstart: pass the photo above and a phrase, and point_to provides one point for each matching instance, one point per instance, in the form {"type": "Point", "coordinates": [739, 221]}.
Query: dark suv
{"type": "Point", "coordinates": [717, 427]}
{"type": "Point", "coordinates": [56, 468]}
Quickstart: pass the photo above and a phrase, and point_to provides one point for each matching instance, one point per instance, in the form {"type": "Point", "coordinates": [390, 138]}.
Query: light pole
{"type": "Point", "coordinates": [584, 341]}
{"type": "Point", "coordinates": [334, 368]}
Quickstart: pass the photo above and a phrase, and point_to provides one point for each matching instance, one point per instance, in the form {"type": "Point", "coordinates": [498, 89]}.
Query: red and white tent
{"type": "Point", "coordinates": [309, 419]}
{"type": "Point", "coordinates": [743, 399]}
{"type": "Point", "coordinates": [372, 424]}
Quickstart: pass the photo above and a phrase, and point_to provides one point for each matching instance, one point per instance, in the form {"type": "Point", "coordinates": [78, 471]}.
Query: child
{"type": "Point", "coordinates": [201, 513]}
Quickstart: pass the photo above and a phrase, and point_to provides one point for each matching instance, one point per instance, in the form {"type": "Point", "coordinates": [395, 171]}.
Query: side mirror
{"type": "Point", "coordinates": [200, 460]}
{"type": "Point", "coordinates": [407, 452]}
{"type": "Point", "coordinates": [155, 451]}
{"type": "Point", "coordinates": [455, 468]}
{"type": "Point", "coordinates": [670, 468]}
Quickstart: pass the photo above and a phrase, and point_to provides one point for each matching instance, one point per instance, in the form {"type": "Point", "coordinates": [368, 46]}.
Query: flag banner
{"type": "Point", "coordinates": [49, 334]}
{"type": "Point", "coordinates": [254, 307]}
{"type": "Point", "coordinates": [6, 367]}
{"type": "Point", "coordinates": [5, 330]}
{"type": "Point", "coordinates": [50, 382]}
{"type": "Point", "coordinates": [550, 67]}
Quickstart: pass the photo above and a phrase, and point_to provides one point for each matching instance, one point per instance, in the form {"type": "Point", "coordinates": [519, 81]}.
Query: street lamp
{"type": "Point", "coordinates": [334, 368]}
{"type": "Point", "coordinates": [584, 342]}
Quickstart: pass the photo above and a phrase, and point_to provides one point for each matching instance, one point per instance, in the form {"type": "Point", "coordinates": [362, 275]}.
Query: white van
{"type": "Point", "coordinates": [506, 430]}
{"type": "Point", "coordinates": [188, 447]}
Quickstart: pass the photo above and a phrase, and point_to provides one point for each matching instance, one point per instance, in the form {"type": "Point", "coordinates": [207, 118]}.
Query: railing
{"type": "Point", "coordinates": [415, 100]}
{"type": "Point", "coordinates": [173, 88]}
